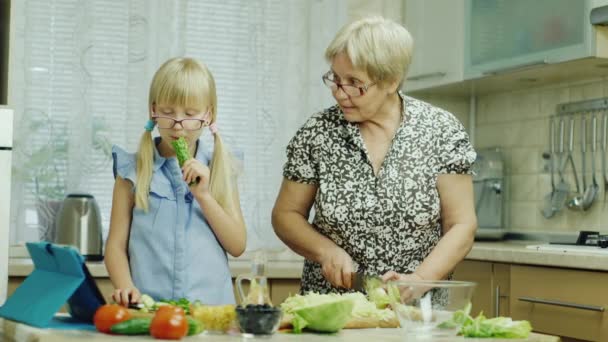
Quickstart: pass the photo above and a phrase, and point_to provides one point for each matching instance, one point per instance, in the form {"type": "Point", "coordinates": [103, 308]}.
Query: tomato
{"type": "Point", "coordinates": [108, 315]}
{"type": "Point", "coordinates": [169, 323]}
{"type": "Point", "coordinates": [165, 309]}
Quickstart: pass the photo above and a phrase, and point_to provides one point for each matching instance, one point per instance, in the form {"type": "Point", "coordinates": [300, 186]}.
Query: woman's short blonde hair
{"type": "Point", "coordinates": [379, 46]}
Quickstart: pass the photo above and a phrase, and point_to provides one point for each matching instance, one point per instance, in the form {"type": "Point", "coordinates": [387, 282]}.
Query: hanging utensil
{"type": "Point", "coordinates": [594, 187]}
{"type": "Point", "coordinates": [591, 190]}
{"type": "Point", "coordinates": [562, 189]}
{"type": "Point", "coordinates": [576, 203]}
{"type": "Point", "coordinates": [569, 157]}
{"type": "Point", "coordinates": [548, 201]}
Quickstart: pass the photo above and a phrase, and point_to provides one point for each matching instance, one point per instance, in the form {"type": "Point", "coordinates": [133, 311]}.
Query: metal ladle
{"type": "Point", "coordinates": [591, 192]}
{"type": "Point", "coordinates": [576, 202]}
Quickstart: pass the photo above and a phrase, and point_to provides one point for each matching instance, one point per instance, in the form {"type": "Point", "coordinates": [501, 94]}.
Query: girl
{"type": "Point", "coordinates": [167, 238]}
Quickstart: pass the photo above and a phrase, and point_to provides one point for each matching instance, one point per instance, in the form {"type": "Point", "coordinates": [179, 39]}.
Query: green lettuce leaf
{"type": "Point", "coordinates": [480, 326]}
{"type": "Point", "coordinates": [319, 312]}
{"type": "Point", "coordinates": [380, 293]}
{"type": "Point", "coordinates": [499, 327]}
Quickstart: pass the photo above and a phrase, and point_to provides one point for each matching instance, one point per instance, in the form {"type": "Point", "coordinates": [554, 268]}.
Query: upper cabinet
{"type": "Point", "coordinates": [466, 47]}
{"type": "Point", "coordinates": [506, 35]}
{"type": "Point", "coordinates": [437, 27]}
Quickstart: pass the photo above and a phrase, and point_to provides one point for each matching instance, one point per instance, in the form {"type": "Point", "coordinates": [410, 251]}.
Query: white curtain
{"type": "Point", "coordinates": [79, 76]}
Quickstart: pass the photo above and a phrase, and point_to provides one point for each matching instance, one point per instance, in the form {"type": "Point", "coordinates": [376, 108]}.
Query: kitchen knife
{"type": "Point", "coordinates": [359, 281]}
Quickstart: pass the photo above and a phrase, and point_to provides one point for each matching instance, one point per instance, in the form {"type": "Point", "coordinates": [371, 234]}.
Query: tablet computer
{"type": "Point", "coordinates": [86, 299]}
{"type": "Point", "coordinates": [60, 276]}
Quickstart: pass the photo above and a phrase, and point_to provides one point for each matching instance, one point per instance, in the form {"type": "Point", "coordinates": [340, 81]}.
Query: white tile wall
{"type": "Point", "coordinates": [518, 122]}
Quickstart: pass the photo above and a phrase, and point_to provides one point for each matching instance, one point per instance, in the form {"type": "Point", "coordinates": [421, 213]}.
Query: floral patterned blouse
{"type": "Point", "coordinates": [389, 221]}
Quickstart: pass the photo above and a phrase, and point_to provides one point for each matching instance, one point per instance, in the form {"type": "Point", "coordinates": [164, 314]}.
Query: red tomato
{"type": "Point", "coordinates": [169, 323]}
{"type": "Point", "coordinates": [108, 315]}
{"type": "Point", "coordinates": [170, 309]}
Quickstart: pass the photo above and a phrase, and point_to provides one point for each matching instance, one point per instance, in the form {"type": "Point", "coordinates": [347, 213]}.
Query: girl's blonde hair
{"type": "Point", "coordinates": [377, 45]}
{"type": "Point", "coordinates": [187, 83]}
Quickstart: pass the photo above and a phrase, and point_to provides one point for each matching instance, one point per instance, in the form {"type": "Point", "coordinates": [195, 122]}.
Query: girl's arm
{"type": "Point", "coordinates": [229, 230]}
{"type": "Point", "coordinates": [116, 259]}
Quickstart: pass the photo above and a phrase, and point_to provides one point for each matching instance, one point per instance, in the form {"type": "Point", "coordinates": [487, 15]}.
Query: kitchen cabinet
{"type": "Point", "coordinates": [558, 301]}
{"type": "Point", "coordinates": [491, 294]}
{"type": "Point", "coordinates": [437, 28]}
{"type": "Point", "coordinates": [477, 47]}
{"type": "Point", "coordinates": [505, 35]}
{"type": "Point", "coordinates": [561, 302]}
{"type": "Point", "coordinates": [279, 288]}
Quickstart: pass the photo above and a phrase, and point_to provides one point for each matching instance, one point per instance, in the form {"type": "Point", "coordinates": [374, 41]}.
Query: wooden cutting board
{"type": "Point", "coordinates": [354, 323]}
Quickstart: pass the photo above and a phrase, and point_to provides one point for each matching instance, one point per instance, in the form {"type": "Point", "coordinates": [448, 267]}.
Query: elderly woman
{"type": "Point", "coordinates": [389, 175]}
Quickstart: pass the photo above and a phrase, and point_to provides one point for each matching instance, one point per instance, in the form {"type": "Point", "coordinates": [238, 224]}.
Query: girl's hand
{"type": "Point", "coordinates": [194, 170]}
{"type": "Point", "coordinates": [126, 296]}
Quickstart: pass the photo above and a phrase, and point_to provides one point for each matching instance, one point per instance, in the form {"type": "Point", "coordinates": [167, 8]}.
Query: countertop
{"type": "Point", "coordinates": [288, 265]}
{"type": "Point", "coordinates": [20, 332]}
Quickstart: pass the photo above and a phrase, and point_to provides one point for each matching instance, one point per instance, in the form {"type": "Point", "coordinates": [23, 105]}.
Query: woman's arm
{"type": "Point", "coordinates": [116, 259]}
{"type": "Point", "coordinates": [290, 222]}
{"type": "Point", "coordinates": [229, 230]}
{"type": "Point", "coordinates": [459, 223]}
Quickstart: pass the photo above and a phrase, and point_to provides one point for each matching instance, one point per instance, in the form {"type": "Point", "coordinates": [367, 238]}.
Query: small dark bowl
{"type": "Point", "coordinates": [258, 319]}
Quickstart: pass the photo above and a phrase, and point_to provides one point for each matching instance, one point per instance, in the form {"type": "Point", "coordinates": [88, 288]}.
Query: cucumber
{"type": "Point", "coordinates": [194, 327]}
{"type": "Point", "coordinates": [133, 326]}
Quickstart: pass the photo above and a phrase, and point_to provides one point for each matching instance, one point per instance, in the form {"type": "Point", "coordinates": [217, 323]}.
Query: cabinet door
{"type": "Point", "coordinates": [438, 30]}
{"type": "Point", "coordinates": [501, 289]}
{"type": "Point", "coordinates": [479, 272]}
{"type": "Point", "coordinates": [280, 289]}
{"type": "Point", "coordinates": [503, 35]}
{"type": "Point", "coordinates": [561, 302]}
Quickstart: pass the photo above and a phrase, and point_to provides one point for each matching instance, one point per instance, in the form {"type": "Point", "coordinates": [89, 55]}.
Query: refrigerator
{"type": "Point", "coordinates": [6, 149]}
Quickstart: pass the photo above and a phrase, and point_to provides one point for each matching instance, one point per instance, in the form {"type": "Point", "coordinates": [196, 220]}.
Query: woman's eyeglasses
{"type": "Point", "coordinates": [349, 89]}
{"type": "Point", "coordinates": [189, 124]}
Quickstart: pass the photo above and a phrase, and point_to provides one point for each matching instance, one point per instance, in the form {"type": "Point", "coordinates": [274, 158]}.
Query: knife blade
{"type": "Point", "coordinates": [360, 280]}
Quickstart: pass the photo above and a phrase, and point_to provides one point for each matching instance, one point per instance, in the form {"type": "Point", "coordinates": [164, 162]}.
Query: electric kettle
{"type": "Point", "coordinates": [78, 224]}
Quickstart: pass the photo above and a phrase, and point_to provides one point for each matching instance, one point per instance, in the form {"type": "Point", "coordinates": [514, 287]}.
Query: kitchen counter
{"type": "Point", "coordinates": [19, 332]}
{"type": "Point", "coordinates": [515, 252]}
{"type": "Point", "coordinates": [279, 267]}
{"type": "Point", "coordinates": [288, 265]}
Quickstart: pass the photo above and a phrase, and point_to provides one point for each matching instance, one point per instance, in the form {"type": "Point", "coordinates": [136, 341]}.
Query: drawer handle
{"type": "Point", "coordinates": [437, 74]}
{"type": "Point", "coordinates": [564, 304]}
{"type": "Point", "coordinates": [497, 302]}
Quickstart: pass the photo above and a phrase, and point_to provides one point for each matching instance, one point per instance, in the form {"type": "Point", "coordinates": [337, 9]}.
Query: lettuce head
{"type": "Point", "coordinates": [323, 313]}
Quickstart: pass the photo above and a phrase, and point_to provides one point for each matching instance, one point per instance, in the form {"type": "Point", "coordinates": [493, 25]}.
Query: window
{"type": "Point", "coordinates": [82, 72]}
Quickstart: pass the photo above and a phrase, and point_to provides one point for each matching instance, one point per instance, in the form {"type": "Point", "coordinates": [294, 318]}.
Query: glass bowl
{"type": "Point", "coordinates": [426, 309]}
{"type": "Point", "coordinates": [258, 319]}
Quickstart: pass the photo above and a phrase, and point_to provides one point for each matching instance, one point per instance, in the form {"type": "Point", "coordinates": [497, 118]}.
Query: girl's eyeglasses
{"type": "Point", "coordinates": [349, 89]}
{"type": "Point", "coordinates": [189, 124]}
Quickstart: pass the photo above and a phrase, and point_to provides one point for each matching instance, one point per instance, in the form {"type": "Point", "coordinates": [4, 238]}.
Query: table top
{"type": "Point", "coordinates": [21, 332]}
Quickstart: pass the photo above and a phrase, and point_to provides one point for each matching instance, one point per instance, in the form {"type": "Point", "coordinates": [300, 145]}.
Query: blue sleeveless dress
{"type": "Point", "coordinates": [173, 253]}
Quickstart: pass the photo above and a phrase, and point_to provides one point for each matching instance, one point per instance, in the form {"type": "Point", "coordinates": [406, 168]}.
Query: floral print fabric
{"type": "Point", "coordinates": [389, 221]}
